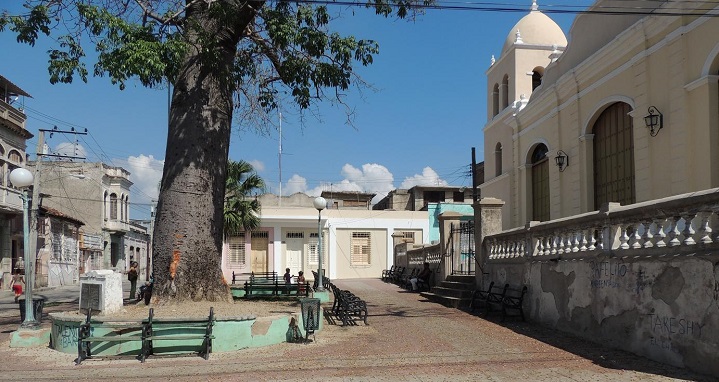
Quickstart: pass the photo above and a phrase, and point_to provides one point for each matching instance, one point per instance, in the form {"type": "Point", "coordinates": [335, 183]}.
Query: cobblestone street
{"type": "Point", "coordinates": [408, 339]}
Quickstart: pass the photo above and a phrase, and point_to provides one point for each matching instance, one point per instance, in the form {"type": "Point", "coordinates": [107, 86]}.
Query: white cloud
{"type": "Point", "coordinates": [145, 173]}
{"type": "Point", "coordinates": [429, 177]}
{"type": "Point", "coordinates": [258, 165]}
{"type": "Point", "coordinates": [71, 150]}
{"type": "Point", "coordinates": [294, 185]}
{"type": "Point", "coordinates": [370, 178]}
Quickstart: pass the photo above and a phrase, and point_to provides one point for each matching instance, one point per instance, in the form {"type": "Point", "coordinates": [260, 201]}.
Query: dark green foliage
{"type": "Point", "coordinates": [286, 50]}
{"type": "Point", "coordinates": [242, 210]}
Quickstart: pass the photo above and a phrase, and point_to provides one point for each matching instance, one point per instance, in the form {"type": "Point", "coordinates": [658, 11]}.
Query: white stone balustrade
{"type": "Point", "coordinates": [680, 223]}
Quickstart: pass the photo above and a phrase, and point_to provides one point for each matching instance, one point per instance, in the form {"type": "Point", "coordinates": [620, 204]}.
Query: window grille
{"type": "Point", "coordinates": [295, 235]}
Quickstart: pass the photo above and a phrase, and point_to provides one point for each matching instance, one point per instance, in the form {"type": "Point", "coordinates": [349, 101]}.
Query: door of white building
{"type": "Point", "coordinates": [259, 243]}
{"type": "Point", "coordinates": [293, 251]}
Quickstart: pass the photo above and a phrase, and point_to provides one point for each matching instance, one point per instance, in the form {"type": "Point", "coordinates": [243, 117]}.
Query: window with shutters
{"type": "Point", "coordinates": [295, 235]}
{"type": "Point", "coordinates": [236, 255]}
{"type": "Point", "coordinates": [113, 206]}
{"type": "Point", "coordinates": [360, 253]}
{"type": "Point", "coordinates": [540, 184]}
{"type": "Point", "coordinates": [312, 249]}
{"type": "Point", "coordinates": [614, 156]}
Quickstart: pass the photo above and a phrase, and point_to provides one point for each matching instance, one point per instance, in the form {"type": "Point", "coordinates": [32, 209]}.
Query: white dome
{"type": "Point", "coordinates": [536, 28]}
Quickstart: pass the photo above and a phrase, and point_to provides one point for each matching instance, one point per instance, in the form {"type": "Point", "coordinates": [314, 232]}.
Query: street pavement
{"type": "Point", "coordinates": [408, 339]}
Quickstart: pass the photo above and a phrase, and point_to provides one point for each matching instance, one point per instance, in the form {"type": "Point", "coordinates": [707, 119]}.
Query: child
{"type": "Point", "coordinates": [287, 276]}
{"type": "Point", "coordinates": [301, 282]}
{"type": "Point", "coordinates": [15, 284]}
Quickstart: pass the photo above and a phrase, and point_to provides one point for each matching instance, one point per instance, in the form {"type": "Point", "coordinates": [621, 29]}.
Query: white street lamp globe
{"type": "Point", "coordinates": [320, 203]}
{"type": "Point", "coordinates": [21, 177]}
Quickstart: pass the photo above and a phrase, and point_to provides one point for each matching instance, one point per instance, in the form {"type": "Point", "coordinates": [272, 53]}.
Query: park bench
{"type": "Point", "coordinates": [387, 273]}
{"type": "Point", "coordinates": [146, 331]}
{"type": "Point", "coordinates": [405, 280]}
{"type": "Point", "coordinates": [479, 297]}
{"type": "Point", "coordinates": [346, 306]}
{"type": "Point", "coordinates": [422, 285]}
{"type": "Point", "coordinates": [398, 274]}
{"type": "Point", "coordinates": [489, 300]}
{"type": "Point", "coordinates": [325, 281]}
{"type": "Point", "coordinates": [261, 284]}
{"type": "Point", "coordinates": [512, 302]}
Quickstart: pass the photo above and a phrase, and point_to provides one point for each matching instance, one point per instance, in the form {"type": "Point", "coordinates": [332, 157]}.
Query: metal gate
{"type": "Point", "coordinates": [462, 248]}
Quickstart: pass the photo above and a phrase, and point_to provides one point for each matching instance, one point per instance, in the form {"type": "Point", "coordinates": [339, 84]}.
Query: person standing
{"type": "Point", "coordinates": [301, 283]}
{"type": "Point", "coordinates": [132, 277]}
{"type": "Point", "coordinates": [288, 280]}
{"type": "Point", "coordinates": [15, 285]}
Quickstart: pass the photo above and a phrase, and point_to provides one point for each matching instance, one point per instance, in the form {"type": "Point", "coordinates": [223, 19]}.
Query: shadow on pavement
{"type": "Point", "coordinates": [600, 354]}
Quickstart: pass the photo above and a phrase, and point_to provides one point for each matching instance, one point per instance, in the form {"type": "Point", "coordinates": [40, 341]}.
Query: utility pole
{"type": "Point", "coordinates": [35, 201]}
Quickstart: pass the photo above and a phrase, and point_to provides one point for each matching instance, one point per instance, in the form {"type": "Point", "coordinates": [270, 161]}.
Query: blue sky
{"type": "Point", "coordinates": [417, 127]}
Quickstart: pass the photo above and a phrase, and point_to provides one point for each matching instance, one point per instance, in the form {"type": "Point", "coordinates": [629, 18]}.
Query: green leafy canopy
{"type": "Point", "coordinates": [287, 52]}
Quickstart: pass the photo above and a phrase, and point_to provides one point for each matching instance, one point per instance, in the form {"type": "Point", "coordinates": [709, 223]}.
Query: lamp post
{"type": "Point", "coordinates": [320, 203]}
{"type": "Point", "coordinates": [23, 178]}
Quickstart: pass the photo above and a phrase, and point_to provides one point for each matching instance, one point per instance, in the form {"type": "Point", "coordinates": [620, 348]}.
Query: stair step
{"type": "Point", "coordinates": [469, 279]}
{"type": "Point", "coordinates": [458, 285]}
{"type": "Point", "coordinates": [452, 292]}
{"type": "Point", "coordinates": [451, 302]}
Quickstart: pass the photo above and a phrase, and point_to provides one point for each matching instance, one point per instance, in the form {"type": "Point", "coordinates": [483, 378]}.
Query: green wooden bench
{"type": "Point", "coordinates": [146, 331]}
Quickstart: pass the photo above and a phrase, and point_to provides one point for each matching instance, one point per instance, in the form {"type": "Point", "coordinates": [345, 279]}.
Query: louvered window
{"type": "Point", "coordinates": [361, 252]}
{"type": "Point", "coordinates": [614, 157]}
{"type": "Point", "coordinates": [312, 249]}
{"type": "Point", "coordinates": [236, 255]}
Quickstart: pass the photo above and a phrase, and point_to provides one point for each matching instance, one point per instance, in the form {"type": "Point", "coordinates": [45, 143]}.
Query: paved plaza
{"type": "Point", "coordinates": [408, 339]}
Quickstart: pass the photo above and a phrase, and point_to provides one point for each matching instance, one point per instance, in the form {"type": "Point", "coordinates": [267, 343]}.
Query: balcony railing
{"type": "Point", "coordinates": [681, 224]}
{"type": "Point", "coordinates": [11, 114]}
{"type": "Point", "coordinates": [11, 200]}
{"type": "Point", "coordinates": [117, 225]}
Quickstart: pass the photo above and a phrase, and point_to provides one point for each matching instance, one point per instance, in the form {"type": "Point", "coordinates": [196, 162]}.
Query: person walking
{"type": "Point", "coordinates": [132, 277]}
{"type": "Point", "coordinates": [15, 284]}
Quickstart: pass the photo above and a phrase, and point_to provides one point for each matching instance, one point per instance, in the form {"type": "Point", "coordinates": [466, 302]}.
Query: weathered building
{"type": "Point", "coordinates": [13, 137]}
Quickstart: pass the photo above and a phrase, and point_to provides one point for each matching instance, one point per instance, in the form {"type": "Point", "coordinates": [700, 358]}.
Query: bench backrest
{"type": "Point", "coordinates": [263, 276]}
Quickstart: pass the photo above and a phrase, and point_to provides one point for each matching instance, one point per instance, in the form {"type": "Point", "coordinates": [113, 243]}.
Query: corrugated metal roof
{"type": "Point", "coordinates": [12, 88]}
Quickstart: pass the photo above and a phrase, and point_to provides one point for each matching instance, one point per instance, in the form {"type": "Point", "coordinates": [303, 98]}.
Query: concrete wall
{"type": "Point", "coordinates": [642, 278]}
{"type": "Point", "coordinates": [378, 254]}
{"type": "Point", "coordinates": [666, 308]}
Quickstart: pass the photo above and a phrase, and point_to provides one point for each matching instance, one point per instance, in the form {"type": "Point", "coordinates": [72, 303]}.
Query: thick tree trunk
{"type": "Point", "coordinates": [187, 239]}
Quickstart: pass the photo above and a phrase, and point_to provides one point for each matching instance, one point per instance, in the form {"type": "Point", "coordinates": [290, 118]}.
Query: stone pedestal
{"type": "Point", "coordinates": [101, 290]}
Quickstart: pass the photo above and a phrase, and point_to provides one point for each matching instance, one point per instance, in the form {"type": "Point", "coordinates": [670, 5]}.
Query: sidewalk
{"type": "Point", "coordinates": [408, 339]}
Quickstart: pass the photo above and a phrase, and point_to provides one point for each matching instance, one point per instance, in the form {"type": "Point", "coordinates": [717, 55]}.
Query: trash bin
{"type": "Point", "coordinates": [310, 314]}
{"type": "Point", "coordinates": [38, 303]}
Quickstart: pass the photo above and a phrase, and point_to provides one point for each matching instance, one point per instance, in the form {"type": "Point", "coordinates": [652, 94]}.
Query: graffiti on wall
{"type": "Point", "coordinates": [607, 274]}
{"type": "Point", "coordinates": [666, 327]}
{"type": "Point", "coordinates": [65, 335]}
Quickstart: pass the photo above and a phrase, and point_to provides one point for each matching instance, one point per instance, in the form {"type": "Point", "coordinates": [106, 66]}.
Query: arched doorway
{"type": "Point", "coordinates": [540, 183]}
{"type": "Point", "coordinates": [614, 156]}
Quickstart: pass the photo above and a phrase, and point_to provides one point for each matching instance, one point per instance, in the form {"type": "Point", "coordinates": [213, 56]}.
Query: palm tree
{"type": "Point", "coordinates": [241, 211]}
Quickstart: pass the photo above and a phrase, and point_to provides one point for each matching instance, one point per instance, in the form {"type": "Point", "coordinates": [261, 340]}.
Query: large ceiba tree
{"type": "Point", "coordinates": [221, 56]}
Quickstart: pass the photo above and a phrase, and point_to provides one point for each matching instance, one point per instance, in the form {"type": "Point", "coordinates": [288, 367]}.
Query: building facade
{"type": "Point", "coordinates": [99, 196]}
{"type": "Point", "coordinates": [356, 242]}
{"type": "Point", "coordinates": [585, 105]}
{"type": "Point", "coordinates": [58, 250]}
{"type": "Point", "coordinates": [13, 137]}
{"type": "Point", "coordinates": [601, 190]}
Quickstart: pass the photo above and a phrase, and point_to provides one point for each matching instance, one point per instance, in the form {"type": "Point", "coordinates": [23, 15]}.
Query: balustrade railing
{"type": "Point", "coordinates": [678, 223]}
